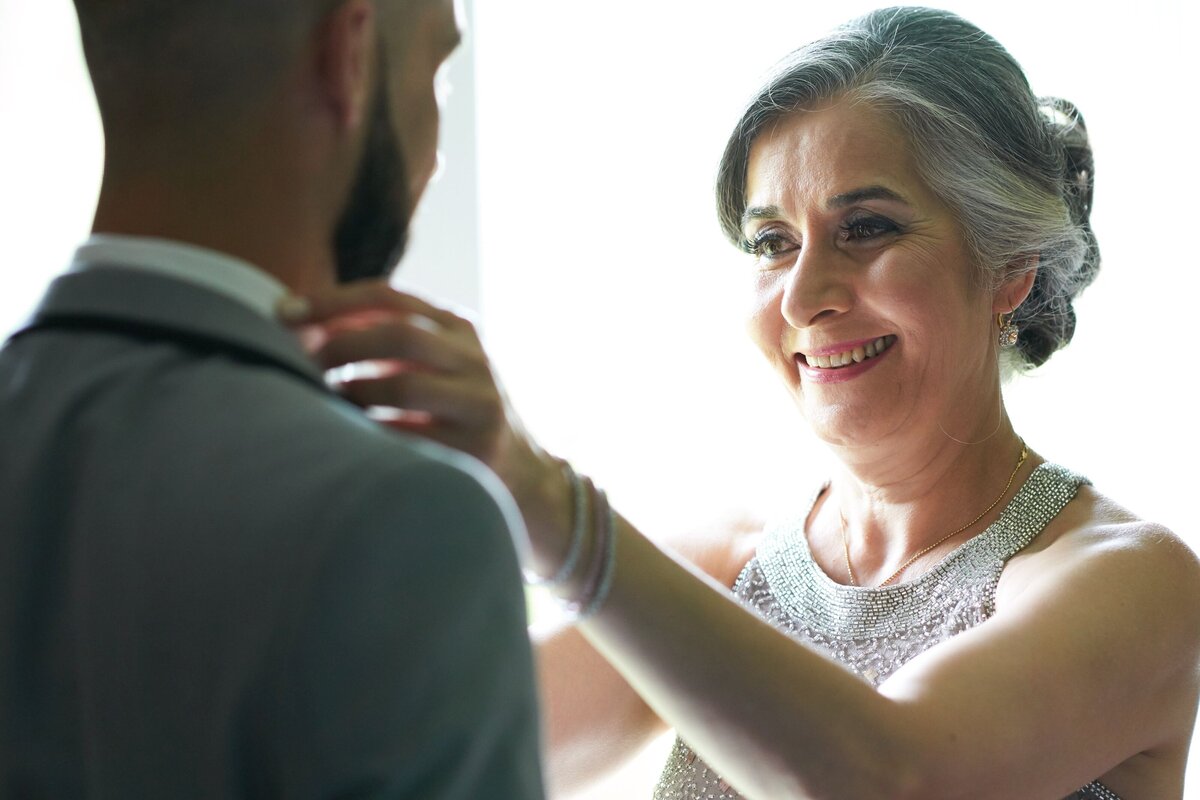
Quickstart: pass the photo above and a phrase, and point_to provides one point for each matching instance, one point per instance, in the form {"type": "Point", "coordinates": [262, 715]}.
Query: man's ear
{"type": "Point", "coordinates": [346, 59]}
{"type": "Point", "coordinates": [1017, 286]}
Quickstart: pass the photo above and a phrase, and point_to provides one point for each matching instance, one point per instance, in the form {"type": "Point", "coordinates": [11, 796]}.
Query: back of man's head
{"type": "Point", "coordinates": [174, 63]}
{"type": "Point", "coordinates": [263, 126]}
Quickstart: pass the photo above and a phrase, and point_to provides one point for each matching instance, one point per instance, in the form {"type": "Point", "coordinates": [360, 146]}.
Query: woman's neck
{"type": "Point", "coordinates": [889, 503]}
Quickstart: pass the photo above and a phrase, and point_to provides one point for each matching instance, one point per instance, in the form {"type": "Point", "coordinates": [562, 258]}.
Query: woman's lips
{"type": "Point", "coordinates": [843, 362]}
{"type": "Point", "coordinates": [851, 353]}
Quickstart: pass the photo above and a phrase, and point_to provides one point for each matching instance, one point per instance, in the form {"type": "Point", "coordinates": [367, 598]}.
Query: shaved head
{"type": "Point", "coordinates": [155, 62]}
{"type": "Point", "coordinates": [235, 122]}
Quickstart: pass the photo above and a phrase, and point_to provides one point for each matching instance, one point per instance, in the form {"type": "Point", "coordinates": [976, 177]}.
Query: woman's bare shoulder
{"type": "Point", "coordinates": [1096, 538]}
{"type": "Point", "coordinates": [1095, 523]}
{"type": "Point", "coordinates": [1127, 587]}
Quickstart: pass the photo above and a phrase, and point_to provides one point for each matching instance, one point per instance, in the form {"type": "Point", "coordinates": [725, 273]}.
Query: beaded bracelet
{"type": "Point", "coordinates": [578, 529]}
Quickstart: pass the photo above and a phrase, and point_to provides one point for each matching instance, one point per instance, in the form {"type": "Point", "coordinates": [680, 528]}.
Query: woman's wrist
{"type": "Point", "coordinates": [546, 497]}
{"type": "Point", "coordinates": [572, 532]}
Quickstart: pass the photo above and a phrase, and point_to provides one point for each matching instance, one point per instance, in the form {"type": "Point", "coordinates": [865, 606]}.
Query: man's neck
{"type": "Point", "coordinates": [256, 220]}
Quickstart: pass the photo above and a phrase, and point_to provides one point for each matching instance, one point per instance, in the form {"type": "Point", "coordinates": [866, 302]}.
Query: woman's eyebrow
{"type": "Point", "coordinates": [866, 193]}
{"type": "Point", "coordinates": [760, 212]}
{"type": "Point", "coordinates": [837, 201]}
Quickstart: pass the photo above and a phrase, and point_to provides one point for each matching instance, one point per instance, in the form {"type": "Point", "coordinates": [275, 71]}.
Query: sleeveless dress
{"type": "Point", "coordinates": [874, 631]}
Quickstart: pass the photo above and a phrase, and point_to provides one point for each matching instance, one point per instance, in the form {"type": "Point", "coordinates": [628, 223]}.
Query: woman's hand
{"type": "Point", "coordinates": [427, 366]}
{"type": "Point", "coordinates": [428, 374]}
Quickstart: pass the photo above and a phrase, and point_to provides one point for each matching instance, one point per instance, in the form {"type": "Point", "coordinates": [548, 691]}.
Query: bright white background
{"type": "Point", "coordinates": [608, 297]}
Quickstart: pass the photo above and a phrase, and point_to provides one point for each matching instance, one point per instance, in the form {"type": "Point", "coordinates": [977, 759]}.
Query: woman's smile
{"type": "Point", "coordinates": [844, 361]}
{"type": "Point", "coordinates": [843, 355]}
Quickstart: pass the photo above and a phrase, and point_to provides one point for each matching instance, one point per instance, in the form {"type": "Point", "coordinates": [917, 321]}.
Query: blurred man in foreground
{"type": "Point", "coordinates": [219, 578]}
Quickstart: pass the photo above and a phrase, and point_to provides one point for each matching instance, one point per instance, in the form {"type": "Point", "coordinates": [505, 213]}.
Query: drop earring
{"type": "Point", "coordinates": [1009, 333]}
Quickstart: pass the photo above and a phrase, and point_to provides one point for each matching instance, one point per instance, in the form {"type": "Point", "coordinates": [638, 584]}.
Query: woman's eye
{"type": "Point", "coordinates": [863, 228]}
{"type": "Point", "coordinates": [768, 245]}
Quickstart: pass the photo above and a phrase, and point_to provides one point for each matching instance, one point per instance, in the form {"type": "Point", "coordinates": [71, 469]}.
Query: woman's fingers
{"type": "Point", "coordinates": [448, 399]}
{"type": "Point", "coordinates": [468, 419]}
{"type": "Point", "coordinates": [448, 435]}
{"type": "Point", "coordinates": [394, 338]}
{"type": "Point", "coordinates": [429, 365]}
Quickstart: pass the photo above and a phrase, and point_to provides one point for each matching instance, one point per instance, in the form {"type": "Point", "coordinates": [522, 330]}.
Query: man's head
{"type": "Point", "coordinates": [333, 98]}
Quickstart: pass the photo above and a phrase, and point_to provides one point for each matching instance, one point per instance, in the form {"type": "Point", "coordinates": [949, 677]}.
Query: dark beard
{"type": "Point", "coordinates": [372, 232]}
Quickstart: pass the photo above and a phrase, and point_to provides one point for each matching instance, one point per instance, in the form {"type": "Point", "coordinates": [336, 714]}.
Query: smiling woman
{"type": "Point", "coordinates": [906, 203]}
{"type": "Point", "coordinates": [854, 249]}
{"type": "Point", "coordinates": [606, 196]}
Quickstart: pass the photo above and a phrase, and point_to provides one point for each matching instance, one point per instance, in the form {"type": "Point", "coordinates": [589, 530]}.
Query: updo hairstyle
{"type": "Point", "coordinates": [1015, 170]}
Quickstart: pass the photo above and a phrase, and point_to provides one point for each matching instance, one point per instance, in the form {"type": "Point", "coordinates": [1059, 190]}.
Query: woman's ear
{"type": "Point", "coordinates": [1017, 286]}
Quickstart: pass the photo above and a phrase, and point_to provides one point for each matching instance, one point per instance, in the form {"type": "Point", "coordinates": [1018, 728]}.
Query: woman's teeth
{"type": "Point", "coordinates": [855, 356]}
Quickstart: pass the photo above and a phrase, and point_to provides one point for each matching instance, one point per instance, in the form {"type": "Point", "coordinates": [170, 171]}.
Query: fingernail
{"type": "Point", "coordinates": [293, 309]}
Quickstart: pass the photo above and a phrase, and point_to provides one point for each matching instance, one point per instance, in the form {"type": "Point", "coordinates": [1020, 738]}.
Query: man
{"type": "Point", "coordinates": [219, 579]}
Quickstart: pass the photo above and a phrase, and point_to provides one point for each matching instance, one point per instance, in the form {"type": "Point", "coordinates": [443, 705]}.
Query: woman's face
{"type": "Point", "coordinates": [865, 298]}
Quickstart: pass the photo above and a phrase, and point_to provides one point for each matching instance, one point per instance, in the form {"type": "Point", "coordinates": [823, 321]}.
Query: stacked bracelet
{"type": "Point", "coordinates": [597, 582]}
{"type": "Point", "coordinates": [606, 548]}
{"type": "Point", "coordinates": [599, 577]}
{"type": "Point", "coordinates": [578, 530]}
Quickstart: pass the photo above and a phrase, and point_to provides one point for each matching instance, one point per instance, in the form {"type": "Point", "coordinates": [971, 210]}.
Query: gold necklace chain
{"type": "Point", "coordinates": [951, 534]}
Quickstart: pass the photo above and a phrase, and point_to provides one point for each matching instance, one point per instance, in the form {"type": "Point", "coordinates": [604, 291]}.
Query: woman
{"type": "Point", "coordinates": [951, 616]}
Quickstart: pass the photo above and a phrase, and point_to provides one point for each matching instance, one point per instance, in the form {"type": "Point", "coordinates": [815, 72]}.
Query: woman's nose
{"type": "Point", "coordinates": [817, 286]}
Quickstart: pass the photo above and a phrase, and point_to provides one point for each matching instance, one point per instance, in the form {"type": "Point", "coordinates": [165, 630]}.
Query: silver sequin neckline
{"type": "Point", "coordinates": [873, 631]}
{"type": "Point", "coordinates": [805, 592]}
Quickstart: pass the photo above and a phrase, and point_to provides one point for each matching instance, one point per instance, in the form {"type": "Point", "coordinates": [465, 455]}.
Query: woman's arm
{"type": "Point", "coordinates": [1094, 662]}
{"type": "Point", "coordinates": [594, 720]}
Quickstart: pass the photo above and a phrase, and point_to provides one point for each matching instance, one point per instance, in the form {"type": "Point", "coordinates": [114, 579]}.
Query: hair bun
{"type": "Point", "coordinates": [1068, 127]}
{"type": "Point", "coordinates": [1048, 315]}
{"type": "Point", "coordinates": [1078, 180]}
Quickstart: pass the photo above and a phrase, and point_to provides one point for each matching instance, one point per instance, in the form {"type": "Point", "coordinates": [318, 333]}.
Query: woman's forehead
{"type": "Point", "coordinates": [816, 156]}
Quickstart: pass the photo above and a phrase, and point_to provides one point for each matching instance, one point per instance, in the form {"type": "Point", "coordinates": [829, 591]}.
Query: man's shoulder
{"type": "Point", "coordinates": [308, 429]}
{"type": "Point", "coordinates": [326, 447]}
{"type": "Point", "coordinates": [261, 443]}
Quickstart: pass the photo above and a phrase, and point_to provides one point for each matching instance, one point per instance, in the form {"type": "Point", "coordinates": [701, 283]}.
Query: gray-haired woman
{"type": "Point", "coordinates": [951, 616]}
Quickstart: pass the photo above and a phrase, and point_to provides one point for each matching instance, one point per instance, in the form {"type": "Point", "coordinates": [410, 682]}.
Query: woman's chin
{"type": "Point", "coordinates": [842, 425]}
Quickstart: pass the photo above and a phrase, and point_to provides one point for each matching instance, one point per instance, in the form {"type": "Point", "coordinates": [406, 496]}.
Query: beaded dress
{"type": "Point", "coordinates": [875, 631]}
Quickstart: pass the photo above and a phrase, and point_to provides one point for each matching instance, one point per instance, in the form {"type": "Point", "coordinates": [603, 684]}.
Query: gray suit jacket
{"type": "Point", "coordinates": [217, 579]}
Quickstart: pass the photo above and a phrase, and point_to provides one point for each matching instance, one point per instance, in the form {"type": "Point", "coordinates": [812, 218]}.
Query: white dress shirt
{"type": "Point", "coordinates": [210, 269]}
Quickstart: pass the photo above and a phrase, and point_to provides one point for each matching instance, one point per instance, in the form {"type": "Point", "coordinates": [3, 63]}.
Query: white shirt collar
{"type": "Point", "coordinates": [218, 272]}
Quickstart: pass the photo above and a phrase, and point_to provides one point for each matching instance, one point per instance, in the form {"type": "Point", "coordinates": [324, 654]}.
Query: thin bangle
{"type": "Point", "coordinates": [577, 605]}
{"type": "Point", "coordinates": [609, 566]}
{"type": "Point", "coordinates": [578, 529]}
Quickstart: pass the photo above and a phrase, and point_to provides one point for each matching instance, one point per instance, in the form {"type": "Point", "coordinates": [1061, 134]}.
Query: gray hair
{"type": "Point", "coordinates": [1016, 170]}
